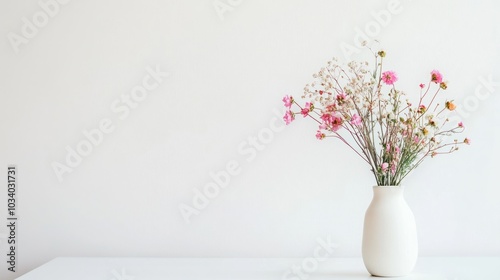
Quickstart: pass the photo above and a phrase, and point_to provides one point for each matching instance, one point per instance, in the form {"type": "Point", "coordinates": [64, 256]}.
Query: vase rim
{"type": "Point", "coordinates": [400, 186]}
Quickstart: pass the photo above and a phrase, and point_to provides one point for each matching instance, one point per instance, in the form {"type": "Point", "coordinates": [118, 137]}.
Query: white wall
{"type": "Point", "coordinates": [227, 75]}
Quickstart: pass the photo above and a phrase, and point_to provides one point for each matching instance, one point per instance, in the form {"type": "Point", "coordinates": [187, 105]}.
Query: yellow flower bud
{"type": "Point", "coordinates": [450, 106]}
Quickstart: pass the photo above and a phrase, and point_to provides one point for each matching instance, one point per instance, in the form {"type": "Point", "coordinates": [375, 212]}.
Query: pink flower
{"type": "Point", "coordinates": [460, 124]}
{"type": "Point", "coordinates": [336, 122]}
{"type": "Point", "coordinates": [389, 77]}
{"type": "Point", "coordinates": [436, 77]}
{"type": "Point", "coordinates": [289, 117]}
{"type": "Point", "coordinates": [288, 100]}
{"type": "Point", "coordinates": [326, 118]}
{"type": "Point", "coordinates": [341, 97]}
{"type": "Point", "coordinates": [356, 120]}
{"type": "Point", "coordinates": [421, 85]}
{"type": "Point", "coordinates": [307, 108]}
{"type": "Point", "coordinates": [393, 168]}
{"type": "Point", "coordinates": [332, 121]}
{"type": "Point", "coordinates": [320, 135]}
{"type": "Point", "coordinates": [416, 139]}
{"type": "Point", "coordinates": [421, 109]}
{"type": "Point", "coordinates": [304, 112]}
{"type": "Point", "coordinates": [384, 166]}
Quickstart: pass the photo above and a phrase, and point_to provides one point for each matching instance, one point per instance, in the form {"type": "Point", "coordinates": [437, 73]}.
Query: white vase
{"type": "Point", "coordinates": [390, 246]}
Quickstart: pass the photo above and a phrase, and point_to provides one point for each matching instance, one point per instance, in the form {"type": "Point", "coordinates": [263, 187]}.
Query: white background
{"type": "Point", "coordinates": [228, 72]}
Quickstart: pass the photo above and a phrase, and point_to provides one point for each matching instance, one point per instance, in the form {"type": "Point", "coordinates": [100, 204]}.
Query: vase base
{"type": "Point", "coordinates": [393, 276]}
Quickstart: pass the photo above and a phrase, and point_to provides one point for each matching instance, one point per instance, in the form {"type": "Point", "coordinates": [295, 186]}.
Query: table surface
{"type": "Point", "coordinates": [453, 268]}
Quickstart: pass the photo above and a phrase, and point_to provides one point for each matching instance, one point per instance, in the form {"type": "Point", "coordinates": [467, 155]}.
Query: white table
{"type": "Point", "coordinates": [256, 268]}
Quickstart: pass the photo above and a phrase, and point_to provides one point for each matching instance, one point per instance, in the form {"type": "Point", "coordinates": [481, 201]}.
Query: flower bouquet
{"type": "Point", "coordinates": [360, 105]}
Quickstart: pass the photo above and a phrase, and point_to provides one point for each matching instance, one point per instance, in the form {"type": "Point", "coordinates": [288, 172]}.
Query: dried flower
{"type": "Point", "coordinates": [308, 107]}
{"type": "Point", "coordinates": [432, 123]}
{"type": "Point", "coordinates": [356, 120]}
{"type": "Point", "coordinates": [384, 166]}
{"type": "Point", "coordinates": [450, 106]}
{"type": "Point", "coordinates": [436, 77]}
{"type": "Point", "coordinates": [289, 117]}
{"type": "Point", "coordinates": [421, 109]}
{"type": "Point", "coordinates": [320, 135]}
{"type": "Point", "coordinates": [288, 100]}
{"type": "Point", "coordinates": [389, 77]}
{"type": "Point", "coordinates": [351, 104]}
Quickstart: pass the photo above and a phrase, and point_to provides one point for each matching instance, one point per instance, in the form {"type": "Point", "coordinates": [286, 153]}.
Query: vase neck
{"type": "Point", "coordinates": [386, 192]}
